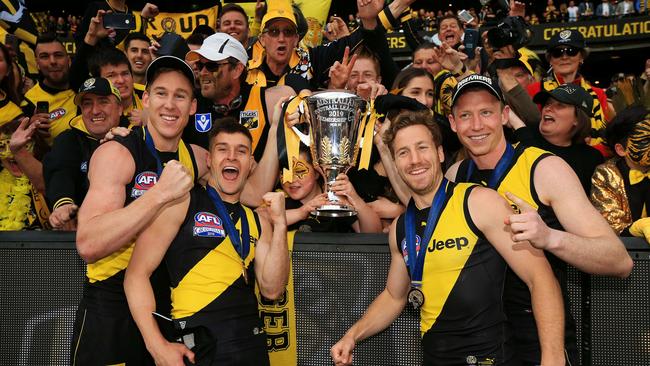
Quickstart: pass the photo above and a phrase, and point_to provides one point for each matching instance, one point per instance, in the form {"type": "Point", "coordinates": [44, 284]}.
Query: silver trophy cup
{"type": "Point", "coordinates": [334, 118]}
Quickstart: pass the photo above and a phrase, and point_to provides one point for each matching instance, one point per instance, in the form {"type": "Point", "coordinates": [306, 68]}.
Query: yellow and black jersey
{"type": "Point", "coordinates": [519, 180]}
{"type": "Point", "coordinates": [250, 111]}
{"type": "Point", "coordinates": [106, 276]}
{"type": "Point", "coordinates": [9, 111]}
{"type": "Point", "coordinates": [135, 104]}
{"type": "Point", "coordinates": [62, 107]}
{"type": "Point", "coordinates": [205, 268]}
{"type": "Point", "coordinates": [462, 316]}
{"type": "Point", "coordinates": [138, 89]}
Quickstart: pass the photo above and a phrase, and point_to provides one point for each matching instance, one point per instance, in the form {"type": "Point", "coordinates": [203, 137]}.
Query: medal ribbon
{"type": "Point", "coordinates": [415, 261]}
{"type": "Point", "coordinates": [152, 149]}
{"type": "Point", "coordinates": [499, 169]}
{"type": "Point", "coordinates": [242, 245]}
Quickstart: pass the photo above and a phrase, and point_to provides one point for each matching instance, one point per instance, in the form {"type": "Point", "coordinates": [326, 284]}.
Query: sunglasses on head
{"type": "Point", "coordinates": [275, 32]}
{"type": "Point", "coordinates": [569, 51]}
{"type": "Point", "coordinates": [211, 66]}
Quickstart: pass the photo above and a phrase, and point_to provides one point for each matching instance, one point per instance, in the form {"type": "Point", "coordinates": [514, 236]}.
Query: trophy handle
{"type": "Point", "coordinates": [305, 139]}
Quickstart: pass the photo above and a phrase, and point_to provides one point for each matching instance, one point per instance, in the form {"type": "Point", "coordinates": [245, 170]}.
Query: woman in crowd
{"type": "Point", "coordinates": [22, 205]}
{"type": "Point", "coordinates": [305, 193]}
{"type": "Point", "coordinates": [416, 83]}
{"type": "Point", "coordinates": [566, 53]}
{"type": "Point", "coordinates": [564, 125]}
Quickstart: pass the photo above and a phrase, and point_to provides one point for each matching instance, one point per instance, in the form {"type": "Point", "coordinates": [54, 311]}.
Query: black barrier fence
{"type": "Point", "coordinates": [336, 277]}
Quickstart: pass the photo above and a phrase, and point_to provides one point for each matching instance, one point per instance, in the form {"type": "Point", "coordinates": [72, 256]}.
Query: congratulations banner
{"type": "Point", "coordinates": [182, 23]}
{"type": "Point", "coordinates": [597, 31]}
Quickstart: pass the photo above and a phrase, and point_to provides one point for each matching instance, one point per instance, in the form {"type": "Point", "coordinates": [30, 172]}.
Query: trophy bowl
{"type": "Point", "coordinates": [334, 117]}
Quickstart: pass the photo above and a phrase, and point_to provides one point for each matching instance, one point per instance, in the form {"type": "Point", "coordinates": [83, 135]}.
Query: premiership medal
{"type": "Point", "coordinates": [416, 297]}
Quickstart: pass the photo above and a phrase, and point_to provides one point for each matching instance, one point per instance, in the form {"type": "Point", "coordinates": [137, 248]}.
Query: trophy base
{"type": "Point", "coordinates": [334, 211]}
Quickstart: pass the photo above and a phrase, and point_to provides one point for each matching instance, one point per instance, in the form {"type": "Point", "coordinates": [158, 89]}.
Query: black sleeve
{"type": "Point", "coordinates": [323, 57]}
{"type": "Point", "coordinates": [376, 41]}
{"type": "Point", "coordinates": [79, 71]}
{"type": "Point", "coordinates": [61, 170]}
{"type": "Point", "coordinates": [28, 107]}
{"type": "Point", "coordinates": [526, 137]}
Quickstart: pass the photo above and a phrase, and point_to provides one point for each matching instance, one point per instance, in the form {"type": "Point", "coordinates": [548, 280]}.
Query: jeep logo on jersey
{"type": "Point", "coordinates": [203, 122]}
{"type": "Point", "coordinates": [143, 182]}
{"type": "Point", "coordinates": [249, 119]}
{"type": "Point", "coordinates": [458, 243]}
{"type": "Point", "coordinates": [57, 113]}
{"type": "Point", "coordinates": [405, 252]}
{"type": "Point", "coordinates": [207, 224]}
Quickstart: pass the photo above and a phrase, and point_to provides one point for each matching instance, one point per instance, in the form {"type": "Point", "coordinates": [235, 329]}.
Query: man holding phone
{"type": "Point", "coordinates": [121, 28]}
{"type": "Point", "coordinates": [52, 94]}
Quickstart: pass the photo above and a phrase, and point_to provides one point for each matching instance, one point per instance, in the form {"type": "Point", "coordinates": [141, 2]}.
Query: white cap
{"type": "Point", "coordinates": [217, 47]}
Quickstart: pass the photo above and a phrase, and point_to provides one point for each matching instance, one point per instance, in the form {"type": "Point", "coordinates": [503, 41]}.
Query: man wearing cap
{"type": "Point", "coordinates": [566, 52]}
{"type": "Point", "coordinates": [221, 61]}
{"type": "Point", "coordinates": [65, 167]}
{"type": "Point", "coordinates": [448, 259]}
{"type": "Point", "coordinates": [130, 180]}
{"type": "Point", "coordinates": [277, 54]}
{"type": "Point", "coordinates": [554, 213]}
{"type": "Point", "coordinates": [563, 126]}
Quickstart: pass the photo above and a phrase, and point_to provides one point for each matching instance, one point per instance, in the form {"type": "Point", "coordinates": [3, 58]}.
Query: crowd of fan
{"type": "Point", "coordinates": [51, 127]}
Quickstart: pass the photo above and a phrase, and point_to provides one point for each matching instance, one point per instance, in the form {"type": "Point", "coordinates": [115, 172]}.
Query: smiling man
{"type": "Point", "coordinates": [448, 259]}
{"type": "Point", "coordinates": [65, 167]}
{"type": "Point", "coordinates": [234, 22]}
{"type": "Point", "coordinates": [554, 215]}
{"type": "Point", "coordinates": [130, 180]}
{"type": "Point", "coordinates": [54, 88]}
{"type": "Point", "coordinates": [136, 47]}
{"type": "Point", "coordinates": [216, 251]}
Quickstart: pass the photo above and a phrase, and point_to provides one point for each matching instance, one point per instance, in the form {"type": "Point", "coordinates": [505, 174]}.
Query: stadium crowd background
{"type": "Point", "coordinates": [33, 156]}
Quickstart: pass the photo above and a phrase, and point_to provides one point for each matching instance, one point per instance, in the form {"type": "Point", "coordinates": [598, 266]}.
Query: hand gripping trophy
{"type": "Point", "coordinates": [334, 121]}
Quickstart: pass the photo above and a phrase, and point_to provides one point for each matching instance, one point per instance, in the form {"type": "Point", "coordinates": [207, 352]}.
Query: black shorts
{"type": "Point", "coordinates": [101, 339]}
{"type": "Point", "coordinates": [240, 342]}
{"type": "Point", "coordinates": [491, 346]}
{"type": "Point", "coordinates": [527, 347]}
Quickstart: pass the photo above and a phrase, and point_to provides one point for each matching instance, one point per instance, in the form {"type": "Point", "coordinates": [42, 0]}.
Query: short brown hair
{"type": "Point", "coordinates": [228, 125]}
{"type": "Point", "coordinates": [583, 127]}
{"type": "Point", "coordinates": [412, 118]}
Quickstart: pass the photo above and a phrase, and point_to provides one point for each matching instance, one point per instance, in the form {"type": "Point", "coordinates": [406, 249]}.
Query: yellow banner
{"type": "Point", "coordinates": [181, 23]}
{"type": "Point", "coordinates": [279, 319]}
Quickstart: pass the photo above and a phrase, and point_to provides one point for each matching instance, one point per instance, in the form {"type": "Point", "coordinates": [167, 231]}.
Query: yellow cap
{"type": "Point", "coordinates": [278, 9]}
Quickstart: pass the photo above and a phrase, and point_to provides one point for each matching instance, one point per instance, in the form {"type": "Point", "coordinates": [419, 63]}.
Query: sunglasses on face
{"type": "Point", "coordinates": [275, 32]}
{"type": "Point", "coordinates": [569, 51]}
{"type": "Point", "coordinates": [211, 66]}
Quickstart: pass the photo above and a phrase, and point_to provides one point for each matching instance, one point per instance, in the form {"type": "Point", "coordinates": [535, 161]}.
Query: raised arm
{"type": "Point", "coordinates": [149, 252]}
{"type": "Point", "coordinates": [265, 175]}
{"type": "Point", "coordinates": [488, 211]}
{"type": "Point", "coordinates": [588, 243]}
{"type": "Point", "coordinates": [383, 310]}
{"type": "Point", "coordinates": [104, 224]}
{"type": "Point", "coordinates": [271, 252]}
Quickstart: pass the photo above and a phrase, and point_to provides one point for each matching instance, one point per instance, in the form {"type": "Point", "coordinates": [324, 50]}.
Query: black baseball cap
{"type": "Point", "coordinates": [171, 62]}
{"type": "Point", "coordinates": [567, 37]}
{"type": "Point", "coordinates": [569, 94]}
{"type": "Point", "coordinates": [476, 81]}
{"type": "Point", "coordinates": [98, 86]}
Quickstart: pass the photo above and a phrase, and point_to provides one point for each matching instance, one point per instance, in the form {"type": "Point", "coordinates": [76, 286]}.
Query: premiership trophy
{"type": "Point", "coordinates": [334, 118]}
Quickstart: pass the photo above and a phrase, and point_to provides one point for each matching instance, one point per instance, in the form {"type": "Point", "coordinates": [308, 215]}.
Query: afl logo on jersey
{"type": "Point", "coordinates": [57, 113]}
{"type": "Point", "coordinates": [207, 224]}
{"type": "Point", "coordinates": [143, 182]}
{"type": "Point", "coordinates": [405, 252]}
